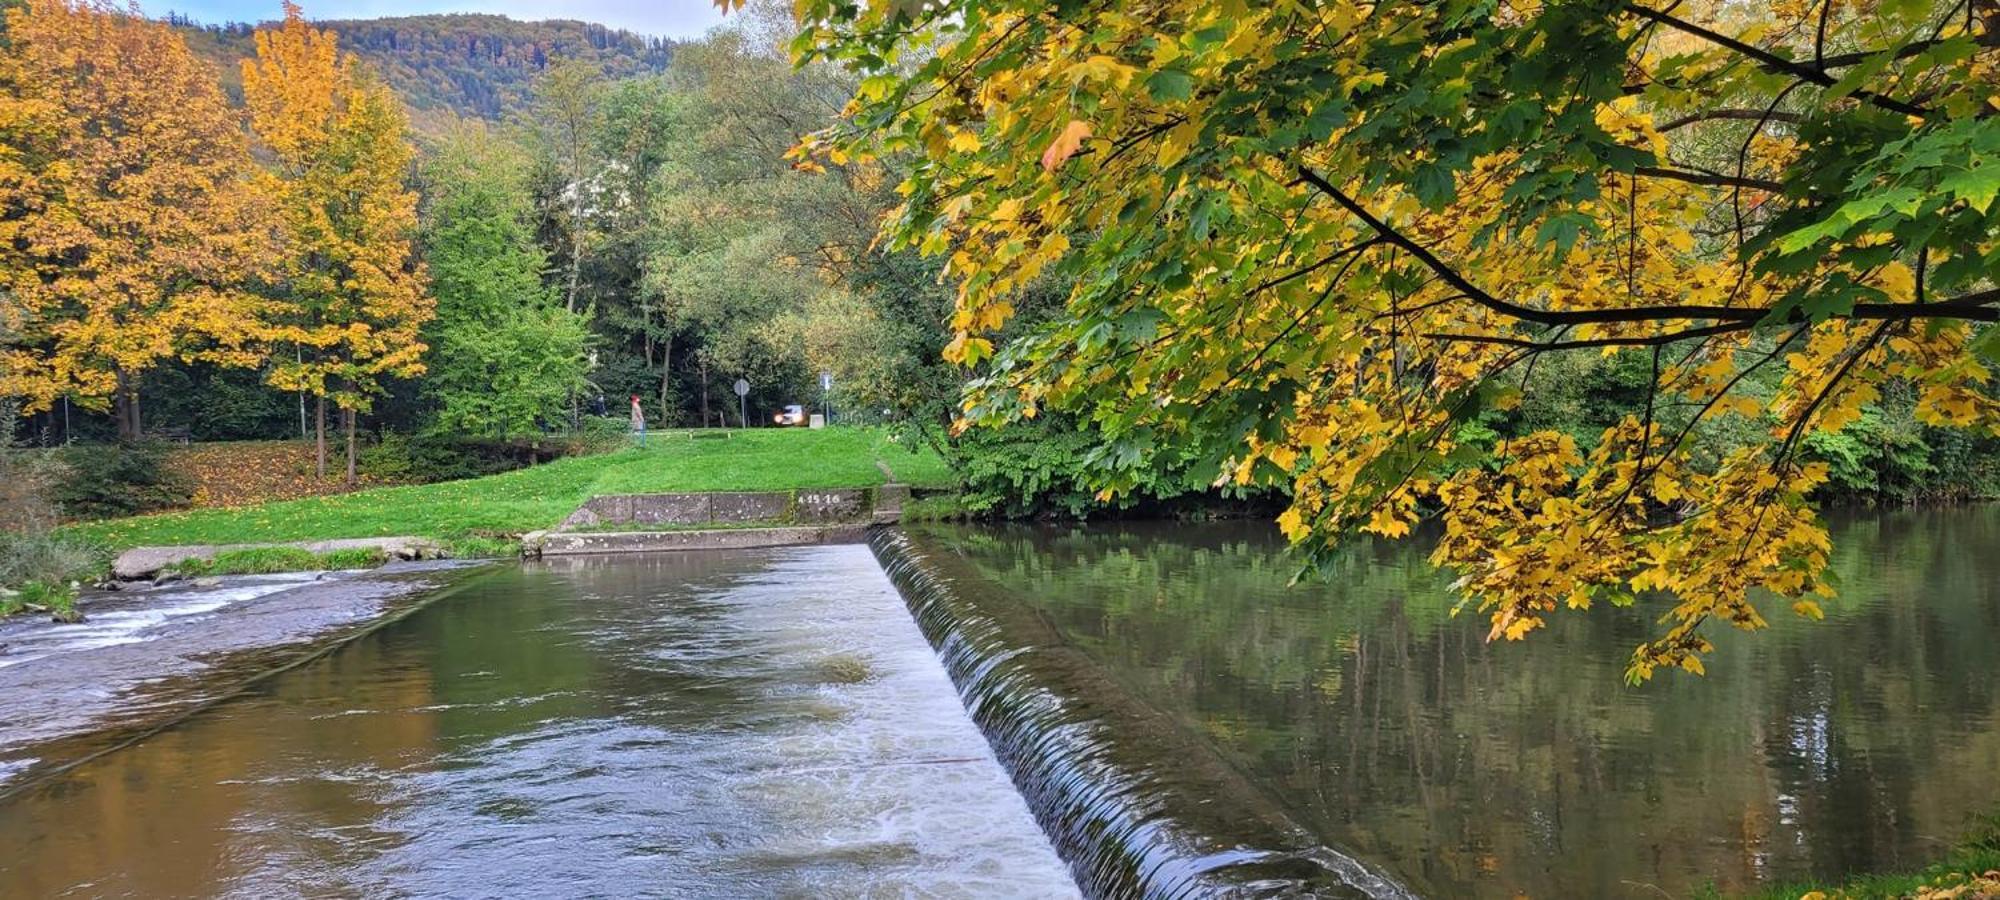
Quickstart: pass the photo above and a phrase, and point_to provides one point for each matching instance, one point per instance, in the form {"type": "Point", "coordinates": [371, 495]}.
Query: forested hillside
{"type": "Point", "coordinates": [468, 64]}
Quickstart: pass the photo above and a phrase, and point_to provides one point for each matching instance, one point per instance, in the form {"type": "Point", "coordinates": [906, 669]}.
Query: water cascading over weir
{"type": "Point", "coordinates": [1134, 804]}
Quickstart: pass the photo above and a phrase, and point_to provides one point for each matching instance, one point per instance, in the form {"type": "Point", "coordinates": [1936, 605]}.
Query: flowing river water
{"type": "Point", "coordinates": [723, 724]}
{"type": "Point", "coordinates": [1177, 717]}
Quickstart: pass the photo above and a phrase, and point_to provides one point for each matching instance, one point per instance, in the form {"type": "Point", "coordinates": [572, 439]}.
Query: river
{"type": "Point", "coordinates": [722, 724]}
{"type": "Point", "coordinates": [1353, 723]}
{"type": "Point", "coordinates": [1157, 704]}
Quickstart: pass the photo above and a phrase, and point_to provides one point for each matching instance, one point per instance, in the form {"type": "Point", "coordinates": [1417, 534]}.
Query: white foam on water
{"type": "Point", "coordinates": [131, 620]}
{"type": "Point", "coordinates": [898, 774]}
{"type": "Point", "coordinates": [12, 767]}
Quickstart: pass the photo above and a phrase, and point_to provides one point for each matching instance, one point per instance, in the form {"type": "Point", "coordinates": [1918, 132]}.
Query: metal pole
{"type": "Point", "coordinates": [743, 411]}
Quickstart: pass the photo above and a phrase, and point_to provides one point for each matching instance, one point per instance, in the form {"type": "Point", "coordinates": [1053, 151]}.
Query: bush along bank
{"type": "Point", "coordinates": [1050, 468]}
{"type": "Point", "coordinates": [41, 569]}
{"type": "Point", "coordinates": [1044, 469]}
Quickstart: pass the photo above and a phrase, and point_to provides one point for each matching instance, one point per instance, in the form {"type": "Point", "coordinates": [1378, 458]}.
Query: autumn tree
{"type": "Point", "coordinates": [126, 227]}
{"type": "Point", "coordinates": [1313, 241]}
{"type": "Point", "coordinates": [354, 296]}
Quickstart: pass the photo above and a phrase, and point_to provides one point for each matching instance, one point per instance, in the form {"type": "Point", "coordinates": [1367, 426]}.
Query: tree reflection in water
{"type": "Point", "coordinates": [1396, 733]}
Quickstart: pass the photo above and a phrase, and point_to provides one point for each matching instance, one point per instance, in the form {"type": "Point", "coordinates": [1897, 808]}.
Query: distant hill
{"type": "Point", "coordinates": [471, 64]}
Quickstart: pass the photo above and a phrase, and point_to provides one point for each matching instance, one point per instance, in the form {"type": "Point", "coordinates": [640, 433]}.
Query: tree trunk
{"type": "Point", "coordinates": [319, 437]}
{"type": "Point", "coordinates": [666, 372]}
{"type": "Point", "coordinates": [350, 417]}
{"type": "Point", "coordinates": [119, 415]}
{"type": "Point", "coordinates": [125, 407]}
{"type": "Point", "coordinates": [575, 240]}
{"type": "Point", "coordinates": [299, 355]}
{"type": "Point", "coordinates": [704, 393]}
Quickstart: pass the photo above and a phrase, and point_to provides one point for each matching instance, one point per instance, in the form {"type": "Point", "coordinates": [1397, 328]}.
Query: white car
{"type": "Point", "coordinates": [790, 416]}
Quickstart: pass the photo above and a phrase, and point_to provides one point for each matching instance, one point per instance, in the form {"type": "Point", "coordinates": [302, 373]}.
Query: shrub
{"type": "Point", "coordinates": [388, 459]}
{"type": "Point", "coordinates": [1042, 468]}
{"type": "Point", "coordinates": [618, 428]}
{"type": "Point", "coordinates": [106, 481]}
{"type": "Point", "coordinates": [936, 508]}
{"type": "Point", "coordinates": [28, 479]}
{"type": "Point", "coordinates": [50, 558]}
{"type": "Point", "coordinates": [1887, 454]}
{"type": "Point", "coordinates": [429, 457]}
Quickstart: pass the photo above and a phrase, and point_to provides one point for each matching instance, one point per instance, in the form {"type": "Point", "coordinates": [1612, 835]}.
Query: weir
{"type": "Point", "coordinates": [719, 724]}
{"type": "Point", "coordinates": [1150, 814]}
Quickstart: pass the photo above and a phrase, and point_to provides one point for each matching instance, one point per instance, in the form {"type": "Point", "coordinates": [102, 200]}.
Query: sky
{"type": "Point", "coordinates": [664, 18]}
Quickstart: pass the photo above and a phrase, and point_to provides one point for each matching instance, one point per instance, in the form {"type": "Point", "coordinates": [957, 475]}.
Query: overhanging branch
{"type": "Point", "coordinates": [1746, 115]}
{"type": "Point", "coordinates": [1651, 340]}
{"type": "Point", "coordinates": [1978, 306]}
{"type": "Point", "coordinates": [1772, 61]}
{"type": "Point", "coordinates": [1710, 179]}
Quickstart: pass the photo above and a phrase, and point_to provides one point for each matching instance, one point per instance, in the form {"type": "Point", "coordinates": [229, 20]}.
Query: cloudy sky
{"type": "Point", "coordinates": [667, 18]}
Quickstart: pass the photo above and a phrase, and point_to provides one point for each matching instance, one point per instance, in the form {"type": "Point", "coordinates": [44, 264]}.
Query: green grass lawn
{"type": "Point", "coordinates": [528, 499]}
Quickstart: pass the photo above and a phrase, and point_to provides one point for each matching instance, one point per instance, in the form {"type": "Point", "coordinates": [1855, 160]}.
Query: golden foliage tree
{"type": "Point", "coordinates": [127, 232]}
{"type": "Point", "coordinates": [354, 295]}
{"type": "Point", "coordinates": [1316, 241]}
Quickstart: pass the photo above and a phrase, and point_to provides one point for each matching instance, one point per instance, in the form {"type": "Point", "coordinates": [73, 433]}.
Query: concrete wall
{"type": "Point", "coordinates": [728, 508]}
{"type": "Point", "coordinates": [586, 543]}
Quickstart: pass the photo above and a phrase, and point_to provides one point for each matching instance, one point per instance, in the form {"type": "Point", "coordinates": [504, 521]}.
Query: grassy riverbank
{"type": "Point", "coordinates": [525, 500]}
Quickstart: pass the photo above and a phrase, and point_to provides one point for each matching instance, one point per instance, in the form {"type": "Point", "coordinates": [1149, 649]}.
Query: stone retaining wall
{"type": "Point", "coordinates": [801, 507]}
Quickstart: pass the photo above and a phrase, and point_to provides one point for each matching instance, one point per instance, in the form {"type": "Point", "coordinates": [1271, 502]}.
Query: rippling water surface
{"type": "Point", "coordinates": [1184, 719]}
{"type": "Point", "coordinates": [710, 725]}
{"type": "Point", "coordinates": [128, 619]}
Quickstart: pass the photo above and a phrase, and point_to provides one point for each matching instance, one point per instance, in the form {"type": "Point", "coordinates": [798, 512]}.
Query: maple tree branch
{"type": "Point", "coordinates": [1748, 115]}
{"type": "Point", "coordinates": [1819, 35]}
{"type": "Point", "coordinates": [1978, 307]}
{"type": "Point", "coordinates": [1712, 179]}
{"type": "Point", "coordinates": [1772, 61]}
{"type": "Point", "coordinates": [1798, 428]}
{"type": "Point", "coordinates": [1913, 48]}
{"type": "Point", "coordinates": [1330, 259]}
{"type": "Point", "coordinates": [1656, 340]}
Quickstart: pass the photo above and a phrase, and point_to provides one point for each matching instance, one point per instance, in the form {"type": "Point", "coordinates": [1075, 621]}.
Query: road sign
{"type": "Point", "coordinates": [826, 381]}
{"type": "Point", "coordinates": [742, 388]}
